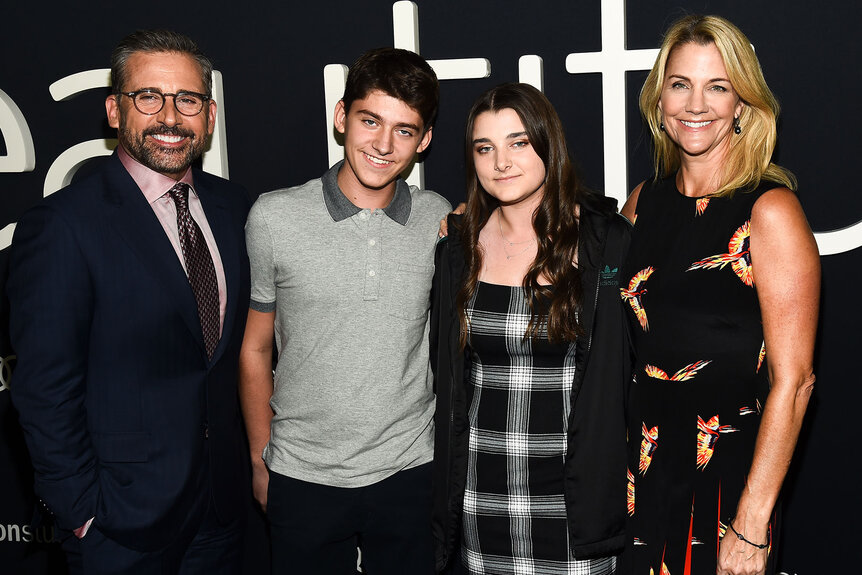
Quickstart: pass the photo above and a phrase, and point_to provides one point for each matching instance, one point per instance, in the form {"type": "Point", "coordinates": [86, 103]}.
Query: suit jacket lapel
{"type": "Point", "coordinates": [139, 227]}
{"type": "Point", "coordinates": [220, 222]}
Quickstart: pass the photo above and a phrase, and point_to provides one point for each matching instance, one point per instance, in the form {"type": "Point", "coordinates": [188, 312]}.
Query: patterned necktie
{"type": "Point", "coordinates": [199, 266]}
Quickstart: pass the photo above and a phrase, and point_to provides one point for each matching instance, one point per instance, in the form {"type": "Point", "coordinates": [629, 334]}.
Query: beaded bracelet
{"type": "Point", "coordinates": [741, 537]}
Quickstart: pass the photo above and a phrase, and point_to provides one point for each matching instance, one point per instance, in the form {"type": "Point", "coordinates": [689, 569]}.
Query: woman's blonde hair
{"type": "Point", "coordinates": [749, 158]}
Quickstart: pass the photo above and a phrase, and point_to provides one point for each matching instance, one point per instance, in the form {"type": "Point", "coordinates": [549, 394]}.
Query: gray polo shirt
{"type": "Point", "coordinates": [350, 288]}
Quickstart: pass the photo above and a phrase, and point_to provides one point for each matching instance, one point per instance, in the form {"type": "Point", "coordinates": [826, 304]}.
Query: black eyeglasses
{"type": "Point", "coordinates": [151, 102]}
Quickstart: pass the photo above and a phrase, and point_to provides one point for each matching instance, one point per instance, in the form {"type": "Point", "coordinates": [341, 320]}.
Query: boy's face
{"type": "Point", "coordinates": [382, 135]}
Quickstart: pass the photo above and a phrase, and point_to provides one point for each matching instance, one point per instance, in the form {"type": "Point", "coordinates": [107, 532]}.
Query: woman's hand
{"type": "Point", "coordinates": [739, 557]}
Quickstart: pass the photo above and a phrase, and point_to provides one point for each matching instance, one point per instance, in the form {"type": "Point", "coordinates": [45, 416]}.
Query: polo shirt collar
{"type": "Point", "coordinates": [341, 208]}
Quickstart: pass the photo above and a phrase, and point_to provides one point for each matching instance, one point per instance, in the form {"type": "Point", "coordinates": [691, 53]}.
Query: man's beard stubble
{"type": "Point", "coordinates": [157, 158]}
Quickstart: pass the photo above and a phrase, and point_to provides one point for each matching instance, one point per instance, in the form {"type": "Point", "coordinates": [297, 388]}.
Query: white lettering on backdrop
{"type": "Point", "coordinates": [613, 61]}
{"type": "Point", "coordinates": [405, 27]}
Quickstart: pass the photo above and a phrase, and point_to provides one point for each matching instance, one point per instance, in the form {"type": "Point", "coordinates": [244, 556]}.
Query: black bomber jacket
{"type": "Point", "coordinates": [595, 464]}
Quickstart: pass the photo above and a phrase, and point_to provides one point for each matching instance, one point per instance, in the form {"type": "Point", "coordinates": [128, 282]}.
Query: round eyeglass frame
{"type": "Point", "coordinates": [164, 96]}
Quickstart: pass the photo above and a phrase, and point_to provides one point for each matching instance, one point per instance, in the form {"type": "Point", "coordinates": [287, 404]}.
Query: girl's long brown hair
{"type": "Point", "coordinates": [554, 221]}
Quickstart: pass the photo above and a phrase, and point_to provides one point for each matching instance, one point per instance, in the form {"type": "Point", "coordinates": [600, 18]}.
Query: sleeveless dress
{"type": "Point", "coordinates": [700, 379]}
{"type": "Point", "coordinates": [514, 518]}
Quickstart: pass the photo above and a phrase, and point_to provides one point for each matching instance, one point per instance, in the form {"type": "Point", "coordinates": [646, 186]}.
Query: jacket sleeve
{"type": "Point", "coordinates": [596, 459]}
{"type": "Point", "coordinates": [436, 304]}
{"type": "Point", "coordinates": [50, 309]}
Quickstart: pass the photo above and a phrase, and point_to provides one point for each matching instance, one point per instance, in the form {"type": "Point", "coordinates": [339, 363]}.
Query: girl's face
{"type": "Point", "coordinates": [507, 166]}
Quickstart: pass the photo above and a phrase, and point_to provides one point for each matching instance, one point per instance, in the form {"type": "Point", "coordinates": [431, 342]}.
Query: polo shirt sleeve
{"type": "Point", "coordinates": [258, 239]}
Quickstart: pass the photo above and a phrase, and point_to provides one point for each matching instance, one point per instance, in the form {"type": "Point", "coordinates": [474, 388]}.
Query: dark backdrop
{"type": "Point", "coordinates": [272, 59]}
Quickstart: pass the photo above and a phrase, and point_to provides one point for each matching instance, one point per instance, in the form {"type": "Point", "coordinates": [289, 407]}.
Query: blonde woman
{"type": "Point", "coordinates": [721, 285]}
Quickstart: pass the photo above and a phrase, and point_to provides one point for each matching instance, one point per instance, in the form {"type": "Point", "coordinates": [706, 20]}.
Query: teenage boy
{"type": "Point", "coordinates": [341, 434]}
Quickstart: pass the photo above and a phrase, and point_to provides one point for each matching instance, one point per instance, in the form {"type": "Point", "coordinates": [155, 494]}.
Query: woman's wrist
{"type": "Point", "coordinates": [741, 536]}
{"type": "Point", "coordinates": [753, 511]}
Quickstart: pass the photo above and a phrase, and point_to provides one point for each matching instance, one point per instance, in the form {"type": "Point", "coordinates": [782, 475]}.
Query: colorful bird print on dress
{"type": "Point", "coordinates": [686, 565]}
{"type": "Point", "coordinates": [633, 295]}
{"type": "Point", "coordinates": [745, 410]}
{"type": "Point", "coordinates": [738, 256]}
{"type": "Point", "coordinates": [630, 492]}
{"type": "Point", "coordinates": [664, 569]}
{"type": "Point", "coordinates": [683, 374]}
{"type": "Point", "coordinates": [700, 206]}
{"type": "Point", "coordinates": [760, 357]}
{"type": "Point", "coordinates": [707, 435]}
{"type": "Point", "coordinates": [649, 443]}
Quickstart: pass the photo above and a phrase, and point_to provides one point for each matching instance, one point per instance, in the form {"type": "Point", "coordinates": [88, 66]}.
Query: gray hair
{"type": "Point", "coordinates": [157, 41]}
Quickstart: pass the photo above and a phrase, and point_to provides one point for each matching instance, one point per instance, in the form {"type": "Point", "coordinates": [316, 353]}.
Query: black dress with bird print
{"type": "Point", "coordinates": [700, 383]}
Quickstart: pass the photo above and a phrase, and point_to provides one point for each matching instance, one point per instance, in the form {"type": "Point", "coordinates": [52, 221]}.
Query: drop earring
{"type": "Point", "coordinates": [661, 126]}
{"type": "Point", "coordinates": [736, 128]}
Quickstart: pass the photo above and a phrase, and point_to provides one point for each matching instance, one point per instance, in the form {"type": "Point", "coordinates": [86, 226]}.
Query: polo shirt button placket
{"type": "Point", "coordinates": [372, 256]}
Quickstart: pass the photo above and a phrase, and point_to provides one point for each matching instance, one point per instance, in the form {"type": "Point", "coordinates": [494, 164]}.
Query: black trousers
{"type": "Point", "coordinates": [317, 528]}
{"type": "Point", "coordinates": [210, 548]}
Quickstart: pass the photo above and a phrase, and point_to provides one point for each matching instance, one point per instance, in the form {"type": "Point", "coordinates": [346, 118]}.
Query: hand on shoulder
{"type": "Point", "coordinates": [444, 226]}
{"type": "Point", "coordinates": [630, 207]}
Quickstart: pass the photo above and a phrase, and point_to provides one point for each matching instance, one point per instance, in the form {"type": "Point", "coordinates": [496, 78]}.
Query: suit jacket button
{"type": "Point", "coordinates": [206, 431]}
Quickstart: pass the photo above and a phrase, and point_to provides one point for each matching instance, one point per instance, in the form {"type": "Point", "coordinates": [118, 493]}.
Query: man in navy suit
{"type": "Point", "coordinates": [128, 337]}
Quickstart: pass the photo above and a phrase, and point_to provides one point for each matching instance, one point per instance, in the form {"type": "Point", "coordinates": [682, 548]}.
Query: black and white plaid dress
{"type": "Point", "coordinates": [514, 518]}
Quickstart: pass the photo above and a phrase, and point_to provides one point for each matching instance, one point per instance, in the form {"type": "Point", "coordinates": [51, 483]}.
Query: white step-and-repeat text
{"type": "Point", "coordinates": [280, 71]}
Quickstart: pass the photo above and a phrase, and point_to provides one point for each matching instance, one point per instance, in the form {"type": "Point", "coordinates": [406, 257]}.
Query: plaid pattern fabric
{"type": "Point", "coordinates": [514, 518]}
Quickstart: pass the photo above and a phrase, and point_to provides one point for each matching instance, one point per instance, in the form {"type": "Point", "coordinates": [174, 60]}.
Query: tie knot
{"type": "Point", "coordinates": [180, 194]}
